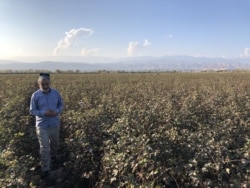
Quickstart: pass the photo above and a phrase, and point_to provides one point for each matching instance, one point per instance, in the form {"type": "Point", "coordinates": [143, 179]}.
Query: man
{"type": "Point", "coordinates": [46, 104]}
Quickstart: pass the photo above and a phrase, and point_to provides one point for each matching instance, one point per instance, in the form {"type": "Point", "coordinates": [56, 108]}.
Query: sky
{"type": "Point", "coordinates": [54, 29]}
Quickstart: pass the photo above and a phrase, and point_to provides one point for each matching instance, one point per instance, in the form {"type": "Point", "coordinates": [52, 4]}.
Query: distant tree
{"type": "Point", "coordinates": [58, 71]}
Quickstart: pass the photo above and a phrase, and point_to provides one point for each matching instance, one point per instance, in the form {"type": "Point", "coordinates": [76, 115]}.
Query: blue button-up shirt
{"type": "Point", "coordinates": [41, 102]}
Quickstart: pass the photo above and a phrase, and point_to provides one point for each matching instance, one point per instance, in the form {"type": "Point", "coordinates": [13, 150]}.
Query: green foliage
{"type": "Point", "coordinates": [135, 130]}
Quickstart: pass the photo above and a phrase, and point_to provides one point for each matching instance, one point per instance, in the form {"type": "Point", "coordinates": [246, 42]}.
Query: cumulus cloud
{"type": "Point", "coordinates": [72, 37]}
{"type": "Point", "coordinates": [133, 46]}
{"type": "Point", "coordinates": [246, 52]}
{"type": "Point", "coordinates": [87, 52]}
{"type": "Point", "coordinates": [146, 43]}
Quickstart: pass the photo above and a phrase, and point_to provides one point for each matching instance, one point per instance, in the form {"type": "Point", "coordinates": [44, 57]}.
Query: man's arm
{"type": "Point", "coordinates": [59, 105]}
{"type": "Point", "coordinates": [33, 108]}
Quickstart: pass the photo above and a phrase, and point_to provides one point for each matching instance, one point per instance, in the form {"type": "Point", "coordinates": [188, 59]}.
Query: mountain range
{"type": "Point", "coordinates": [165, 63]}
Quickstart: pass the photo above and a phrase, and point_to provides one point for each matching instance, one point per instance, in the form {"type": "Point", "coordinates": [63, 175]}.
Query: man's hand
{"type": "Point", "coordinates": [50, 113]}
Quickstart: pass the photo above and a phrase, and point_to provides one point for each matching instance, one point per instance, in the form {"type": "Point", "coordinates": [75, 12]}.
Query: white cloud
{"type": "Point", "coordinates": [146, 43]}
{"type": "Point", "coordinates": [86, 52]}
{"type": "Point", "coordinates": [133, 46]}
{"type": "Point", "coordinates": [72, 37]}
{"type": "Point", "coordinates": [246, 52]}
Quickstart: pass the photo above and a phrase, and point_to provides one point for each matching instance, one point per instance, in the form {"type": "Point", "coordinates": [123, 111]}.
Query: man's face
{"type": "Point", "coordinates": [44, 85]}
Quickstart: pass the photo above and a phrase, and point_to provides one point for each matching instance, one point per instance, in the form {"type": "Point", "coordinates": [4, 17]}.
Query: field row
{"type": "Point", "coordinates": [135, 130]}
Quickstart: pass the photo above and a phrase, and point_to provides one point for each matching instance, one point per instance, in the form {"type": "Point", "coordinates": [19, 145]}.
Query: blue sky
{"type": "Point", "coordinates": [124, 28]}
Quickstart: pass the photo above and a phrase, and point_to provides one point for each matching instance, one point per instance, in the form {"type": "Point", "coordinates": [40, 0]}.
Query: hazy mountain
{"type": "Point", "coordinates": [165, 63]}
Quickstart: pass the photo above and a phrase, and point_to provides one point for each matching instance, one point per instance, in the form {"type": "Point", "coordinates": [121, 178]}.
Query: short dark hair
{"type": "Point", "coordinates": [45, 74]}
